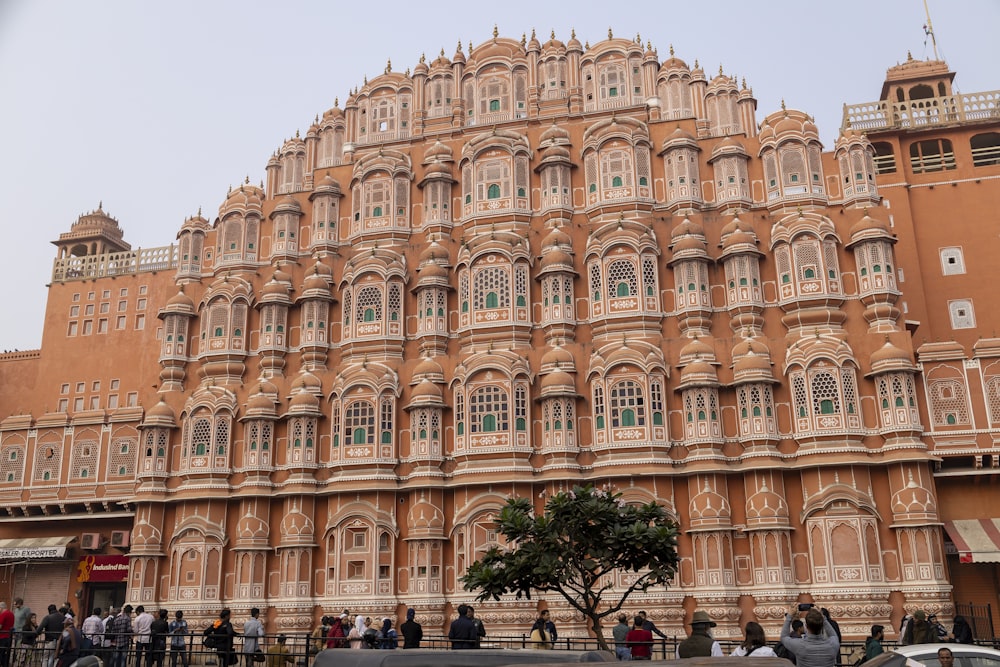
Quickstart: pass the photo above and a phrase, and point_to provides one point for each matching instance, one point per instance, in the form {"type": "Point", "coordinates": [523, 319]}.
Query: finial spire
{"type": "Point", "coordinates": [496, 31]}
{"type": "Point", "coordinates": [388, 66]}
{"type": "Point", "coordinates": [611, 35]}
{"type": "Point", "coordinates": [671, 50]}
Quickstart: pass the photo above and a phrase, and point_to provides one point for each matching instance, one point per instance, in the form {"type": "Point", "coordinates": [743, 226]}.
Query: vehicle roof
{"type": "Point", "coordinates": [460, 658]}
{"type": "Point", "coordinates": [713, 661]}
{"type": "Point", "coordinates": [920, 649]}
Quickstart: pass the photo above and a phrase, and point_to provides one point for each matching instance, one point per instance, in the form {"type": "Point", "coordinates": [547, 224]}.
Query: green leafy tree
{"type": "Point", "coordinates": [574, 548]}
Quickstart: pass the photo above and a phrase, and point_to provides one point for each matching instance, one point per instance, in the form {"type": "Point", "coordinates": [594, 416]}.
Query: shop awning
{"type": "Point", "coordinates": [977, 540]}
{"type": "Point", "coordinates": [35, 547]}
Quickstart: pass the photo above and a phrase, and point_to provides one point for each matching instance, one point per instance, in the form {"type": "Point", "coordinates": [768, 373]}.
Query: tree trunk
{"type": "Point", "coordinates": [595, 625]}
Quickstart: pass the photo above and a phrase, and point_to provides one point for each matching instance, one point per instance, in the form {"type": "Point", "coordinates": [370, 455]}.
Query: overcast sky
{"type": "Point", "coordinates": [155, 108]}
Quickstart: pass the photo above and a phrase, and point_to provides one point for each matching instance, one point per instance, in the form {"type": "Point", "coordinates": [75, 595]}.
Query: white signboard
{"type": "Point", "coordinates": [32, 552]}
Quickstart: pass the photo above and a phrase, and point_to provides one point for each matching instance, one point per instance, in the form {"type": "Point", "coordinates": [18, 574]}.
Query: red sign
{"type": "Point", "coordinates": [102, 569]}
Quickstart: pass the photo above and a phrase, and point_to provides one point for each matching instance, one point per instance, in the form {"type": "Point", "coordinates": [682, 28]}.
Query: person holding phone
{"type": "Point", "coordinates": [819, 647]}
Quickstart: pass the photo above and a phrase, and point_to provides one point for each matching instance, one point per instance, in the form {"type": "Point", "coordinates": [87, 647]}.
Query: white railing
{"type": "Point", "coordinates": [141, 260]}
{"type": "Point", "coordinates": [922, 112]}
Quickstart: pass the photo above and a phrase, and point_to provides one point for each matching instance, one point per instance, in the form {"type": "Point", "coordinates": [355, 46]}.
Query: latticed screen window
{"type": "Point", "coordinates": [656, 402]}
{"type": "Point", "coordinates": [395, 302]}
{"type": "Point", "coordinates": [489, 410]}
{"type": "Point", "coordinates": [521, 284]}
{"type": "Point", "coordinates": [369, 306]}
{"type": "Point", "coordinates": [520, 407]}
{"type": "Point", "coordinates": [825, 394]}
{"type": "Point", "coordinates": [622, 278]}
{"type": "Point", "coordinates": [992, 399]}
{"type": "Point", "coordinates": [492, 288]}
{"type": "Point", "coordinates": [385, 421]}
{"type": "Point", "coordinates": [649, 276]}
{"type": "Point", "coordinates": [221, 436]}
{"type": "Point", "coordinates": [11, 463]}
{"type": "Point", "coordinates": [84, 460]}
{"type": "Point", "coordinates": [949, 402]}
{"type": "Point", "coordinates": [201, 437]}
{"type": "Point", "coordinates": [807, 263]}
{"type": "Point", "coordinates": [613, 82]}
{"type": "Point", "coordinates": [799, 393]}
{"type": "Point", "coordinates": [122, 457]}
{"type": "Point", "coordinates": [348, 298]}
{"type": "Point", "coordinates": [793, 166]}
{"type": "Point", "coordinates": [595, 281]}
{"type": "Point", "coordinates": [599, 406]}
{"type": "Point", "coordinates": [359, 423]}
{"type": "Point", "coordinates": [377, 201]}
{"type": "Point", "coordinates": [48, 459]}
{"type": "Point", "coordinates": [494, 95]}
{"type": "Point", "coordinates": [627, 404]}
{"type": "Point", "coordinates": [616, 169]}
{"type": "Point", "coordinates": [493, 179]}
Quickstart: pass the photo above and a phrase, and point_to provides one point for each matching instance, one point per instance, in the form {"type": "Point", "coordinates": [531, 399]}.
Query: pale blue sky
{"type": "Point", "coordinates": [155, 108]}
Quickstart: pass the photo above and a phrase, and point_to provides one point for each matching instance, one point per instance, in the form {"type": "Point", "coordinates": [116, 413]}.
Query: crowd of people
{"type": "Point", "coordinates": [809, 637]}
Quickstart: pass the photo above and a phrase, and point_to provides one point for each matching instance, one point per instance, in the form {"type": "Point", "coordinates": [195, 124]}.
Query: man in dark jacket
{"type": "Point", "coordinates": [463, 632]}
{"type": "Point", "coordinates": [700, 643]}
{"type": "Point", "coordinates": [52, 626]}
{"type": "Point", "coordinates": [412, 631]}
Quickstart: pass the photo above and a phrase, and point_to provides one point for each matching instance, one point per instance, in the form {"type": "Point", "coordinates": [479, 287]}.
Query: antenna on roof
{"type": "Point", "coordinates": [929, 31]}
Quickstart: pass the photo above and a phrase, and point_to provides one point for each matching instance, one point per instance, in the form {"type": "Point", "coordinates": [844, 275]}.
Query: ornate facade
{"type": "Point", "coordinates": [523, 267]}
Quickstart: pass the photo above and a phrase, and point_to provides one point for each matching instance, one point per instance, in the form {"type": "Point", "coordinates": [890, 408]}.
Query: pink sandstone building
{"type": "Point", "coordinates": [528, 266]}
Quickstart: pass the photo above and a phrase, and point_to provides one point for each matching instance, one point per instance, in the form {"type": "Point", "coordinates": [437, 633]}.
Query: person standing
{"type": "Point", "coordinates": [140, 627]}
{"type": "Point", "coordinates": [639, 640]}
{"type": "Point", "coordinates": [619, 632]}
{"type": "Point", "coordinates": [6, 634]}
{"type": "Point", "coordinates": [539, 637]}
{"type": "Point", "coordinates": [754, 643]}
{"type": "Point", "coordinates": [480, 628]}
{"type": "Point", "coordinates": [158, 631]}
{"type": "Point", "coordinates": [92, 630]}
{"type": "Point", "coordinates": [28, 655]}
{"type": "Point", "coordinates": [178, 630]}
{"type": "Point", "coordinates": [388, 638]}
{"type": "Point", "coordinates": [961, 632]}
{"type": "Point", "coordinates": [121, 637]}
{"type": "Point", "coordinates": [938, 630]}
{"type": "Point", "coordinates": [649, 625]}
{"type": "Point", "coordinates": [833, 623]}
{"type": "Point", "coordinates": [278, 655]}
{"type": "Point", "coordinates": [819, 647]}
{"type": "Point", "coordinates": [52, 626]}
{"type": "Point", "coordinates": [253, 630]}
{"type": "Point", "coordinates": [918, 630]}
{"type": "Point", "coordinates": [223, 634]}
{"type": "Point", "coordinates": [873, 645]}
{"type": "Point", "coordinates": [68, 650]}
{"type": "Point", "coordinates": [550, 627]}
{"type": "Point", "coordinates": [337, 636]}
{"type": "Point", "coordinates": [463, 633]}
{"type": "Point", "coordinates": [21, 614]}
{"type": "Point", "coordinates": [413, 632]}
{"type": "Point", "coordinates": [700, 642]}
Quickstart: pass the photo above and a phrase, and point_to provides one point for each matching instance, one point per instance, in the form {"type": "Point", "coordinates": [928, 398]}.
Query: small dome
{"type": "Point", "coordinates": [428, 368]}
{"type": "Point", "coordinates": [687, 227]}
{"type": "Point", "coordinates": [180, 301]}
{"type": "Point", "coordinates": [315, 282]}
{"type": "Point", "coordinates": [426, 521]}
{"type": "Point", "coordinates": [557, 238]}
{"type": "Point", "coordinates": [697, 348]}
{"type": "Point", "coordinates": [556, 258]}
{"type": "Point", "coordinates": [432, 271]}
{"type": "Point", "coordinates": [889, 358]}
{"type": "Point", "coordinates": [698, 373]}
{"type": "Point", "coordinates": [273, 289]}
{"type": "Point", "coordinates": [765, 507]}
{"type": "Point", "coordinates": [558, 357]}
{"type": "Point", "coordinates": [439, 152]}
{"type": "Point", "coordinates": [260, 404]}
{"type": "Point", "coordinates": [328, 186]}
{"type": "Point", "coordinates": [555, 154]}
{"type": "Point", "coordinates": [913, 499]}
{"type": "Point", "coordinates": [161, 411]}
{"type": "Point", "coordinates": [426, 389]}
{"type": "Point", "coordinates": [680, 137]}
{"type": "Point", "coordinates": [288, 204]}
{"type": "Point", "coordinates": [309, 382]}
{"type": "Point", "coordinates": [708, 506]}
{"type": "Point", "coordinates": [869, 227]}
{"type": "Point", "coordinates": [554, 133]}
{"type": "Point", "coordinates": [558, 379]}
{"type": "Point", "coordinates": [688, 244]}
{"type": "Point", "coordinates": [438, 170]}
{"type": "Point", "coordinates": [303, 399]}
{"type": "Point", "coordinates": [431, 253]}
{"type": "Point", "coordinates": [296, 527]}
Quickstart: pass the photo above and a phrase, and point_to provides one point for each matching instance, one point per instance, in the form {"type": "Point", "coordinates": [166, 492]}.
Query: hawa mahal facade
{"type": "Point", "coordinates": [528, 266]}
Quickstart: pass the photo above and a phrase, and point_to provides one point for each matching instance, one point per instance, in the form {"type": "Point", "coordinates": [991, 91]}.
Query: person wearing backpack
{"type": "Point", "coordinates": [68, 650]}
{"type": "Point", "coordinates": [219, 636]}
